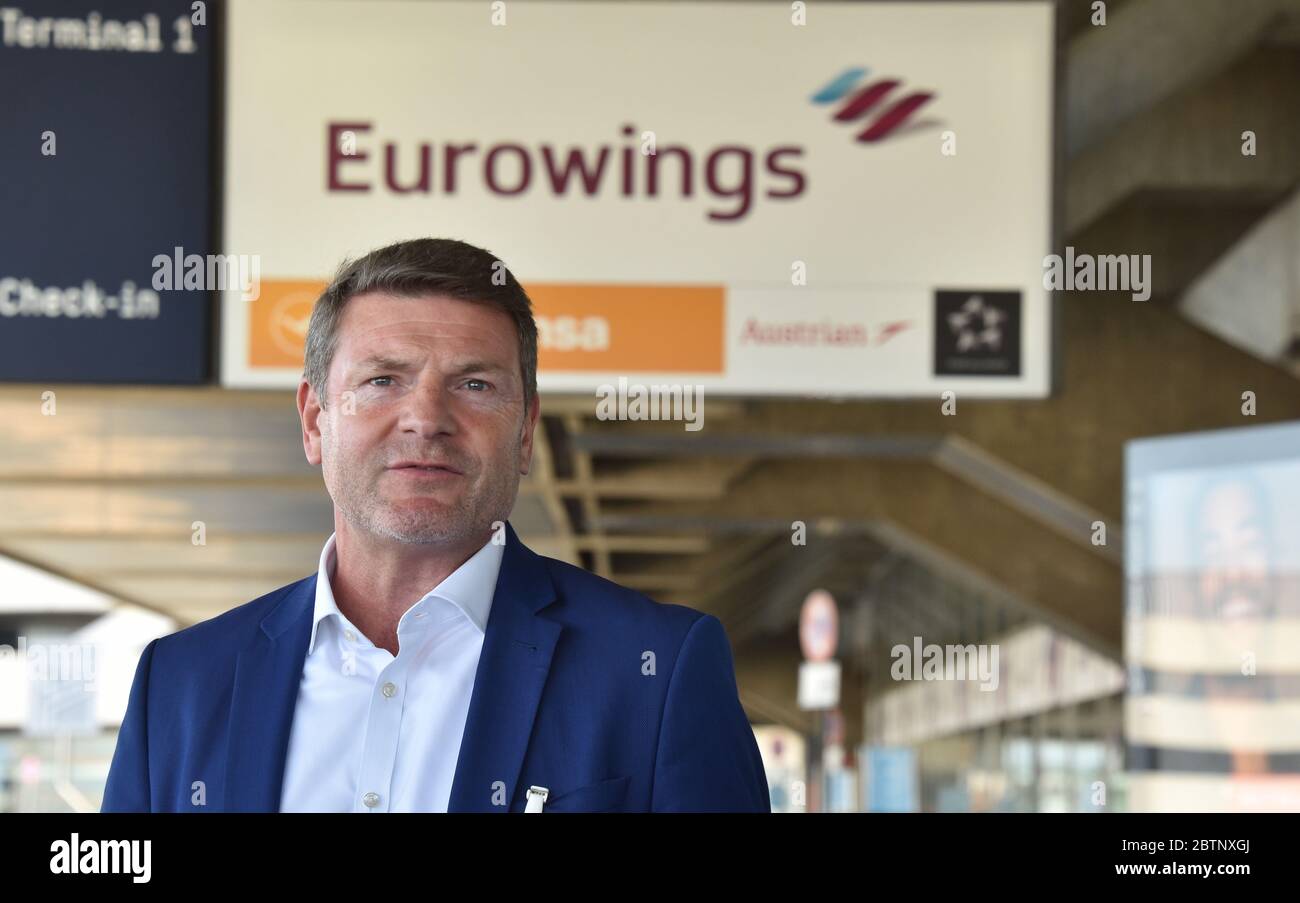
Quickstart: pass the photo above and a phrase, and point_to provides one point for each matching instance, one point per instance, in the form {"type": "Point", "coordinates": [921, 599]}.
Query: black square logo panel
{"type": "Point", "coordinates": [976, 332]}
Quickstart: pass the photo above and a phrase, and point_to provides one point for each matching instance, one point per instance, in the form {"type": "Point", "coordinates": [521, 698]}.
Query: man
{"type": "Point", "coordinates": [434, 662]}
{"type": "Point", "coordinates": [1222, 693]}
{"type": "Point", "coordinates": [1233, 543]}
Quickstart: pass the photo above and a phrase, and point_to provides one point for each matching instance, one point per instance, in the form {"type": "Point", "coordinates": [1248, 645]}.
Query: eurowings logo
{"type": "Point", "coordinates": [871, 99]}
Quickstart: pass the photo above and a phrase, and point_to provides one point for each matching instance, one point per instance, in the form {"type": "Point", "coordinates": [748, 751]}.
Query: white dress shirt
{"type": "Point", "coordinates": [377, 733]}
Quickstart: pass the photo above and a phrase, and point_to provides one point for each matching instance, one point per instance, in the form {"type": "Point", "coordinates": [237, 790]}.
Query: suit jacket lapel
{"type": "Point", "coordinates": [516, 658]}
{"type": "Point", "coordinates": [512, 669]}
{"type": "Point", "coordinates": [267, 674]}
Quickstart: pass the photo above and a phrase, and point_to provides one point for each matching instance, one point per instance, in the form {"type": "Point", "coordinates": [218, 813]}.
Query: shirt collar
{"type": "Point", "coordinates": [470, 587]}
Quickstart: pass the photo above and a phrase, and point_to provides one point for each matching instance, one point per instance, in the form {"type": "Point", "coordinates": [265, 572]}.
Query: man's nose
{"type": "Point", "coordinates": [427, 410]}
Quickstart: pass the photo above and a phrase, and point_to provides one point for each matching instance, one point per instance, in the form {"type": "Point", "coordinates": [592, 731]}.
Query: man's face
{"type": "Point", "coordinates": [429, 380]}
{"type": "Point", "coordinates": [1234, 582]}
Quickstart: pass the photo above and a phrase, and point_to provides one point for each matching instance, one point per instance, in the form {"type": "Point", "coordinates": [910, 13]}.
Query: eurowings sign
{"type": "Point", "coordinates": [717, 194]}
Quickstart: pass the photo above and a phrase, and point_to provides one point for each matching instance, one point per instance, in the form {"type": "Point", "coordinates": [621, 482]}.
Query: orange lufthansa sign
{"type": "Point", "coordinates": [581, 326]}
{"type": "Point", "coordinates": [617, 328]}
{"type": "Point", "coordinates": [277, 321]}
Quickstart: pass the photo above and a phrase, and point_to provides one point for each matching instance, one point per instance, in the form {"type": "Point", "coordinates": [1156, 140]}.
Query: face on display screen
{"type": "Point", "coordinates": [1214, 650]}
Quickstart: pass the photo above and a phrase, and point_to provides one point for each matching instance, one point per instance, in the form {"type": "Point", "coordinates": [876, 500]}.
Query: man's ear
{"type": "Point", "coordinates": [526, 442]}
{"type": "Point", "coordinates": [309, 411]}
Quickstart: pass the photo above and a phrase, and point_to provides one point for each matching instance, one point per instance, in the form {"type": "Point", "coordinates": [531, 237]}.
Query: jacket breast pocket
{"type": "Point", "coordinates": [602, 796]}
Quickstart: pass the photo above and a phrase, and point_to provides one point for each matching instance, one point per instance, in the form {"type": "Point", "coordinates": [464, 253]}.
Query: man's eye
{"type": "Point", "coordinates": [478, 382]}
{"type": "Point", "coordinates": [373, 378]}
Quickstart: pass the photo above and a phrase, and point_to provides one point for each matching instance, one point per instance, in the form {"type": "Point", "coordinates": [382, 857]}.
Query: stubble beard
{"type": "Point", "coordinates": [470, 514]}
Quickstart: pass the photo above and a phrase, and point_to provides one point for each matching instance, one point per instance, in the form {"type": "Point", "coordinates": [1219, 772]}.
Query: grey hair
{"type": "Point", "coordinates": [422, 266]}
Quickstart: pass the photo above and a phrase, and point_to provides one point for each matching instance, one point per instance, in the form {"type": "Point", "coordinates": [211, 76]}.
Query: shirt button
{"type": "Point", "coordinates": [352, 637]}
{"type": "Point", "coordinates": [390, 690]}
{"type": "Point", "coordinates": [371, 800]}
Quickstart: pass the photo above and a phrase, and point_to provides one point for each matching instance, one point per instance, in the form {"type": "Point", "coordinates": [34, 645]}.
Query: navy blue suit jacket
{"type": "Point", "coordinates": [565, 697]}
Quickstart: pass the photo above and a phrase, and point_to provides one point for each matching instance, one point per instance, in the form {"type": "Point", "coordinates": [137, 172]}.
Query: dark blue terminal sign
{"type": "Point", "coordinates": [105, 136]}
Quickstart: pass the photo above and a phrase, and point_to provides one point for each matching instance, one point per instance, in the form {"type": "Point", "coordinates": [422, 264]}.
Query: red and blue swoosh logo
{"type": "Point", "coordinates": [875, 101]}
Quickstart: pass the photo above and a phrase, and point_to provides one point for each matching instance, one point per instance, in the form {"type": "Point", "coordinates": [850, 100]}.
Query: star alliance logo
{"type": "Point", "coordinates": [976, 332]}
{"type": "Point", "coordinates": [976, 324]}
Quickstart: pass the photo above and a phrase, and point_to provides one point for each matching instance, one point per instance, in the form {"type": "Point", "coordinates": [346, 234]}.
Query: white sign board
{"type": "Point", "coordinates": [819, 685]}
{"type": "Point", "coordinates": [712, 194]}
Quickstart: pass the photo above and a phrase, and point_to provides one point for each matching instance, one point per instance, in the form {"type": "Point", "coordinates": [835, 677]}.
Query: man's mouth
{"type": "Point", "coordinates": [1239, 607]}
{"type": "Point", "coordinates": [416, 470]}
{"type": "Point", "coordinates": [1240, 603]}
{"type": "Point", "coordinates": [424, 467]}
